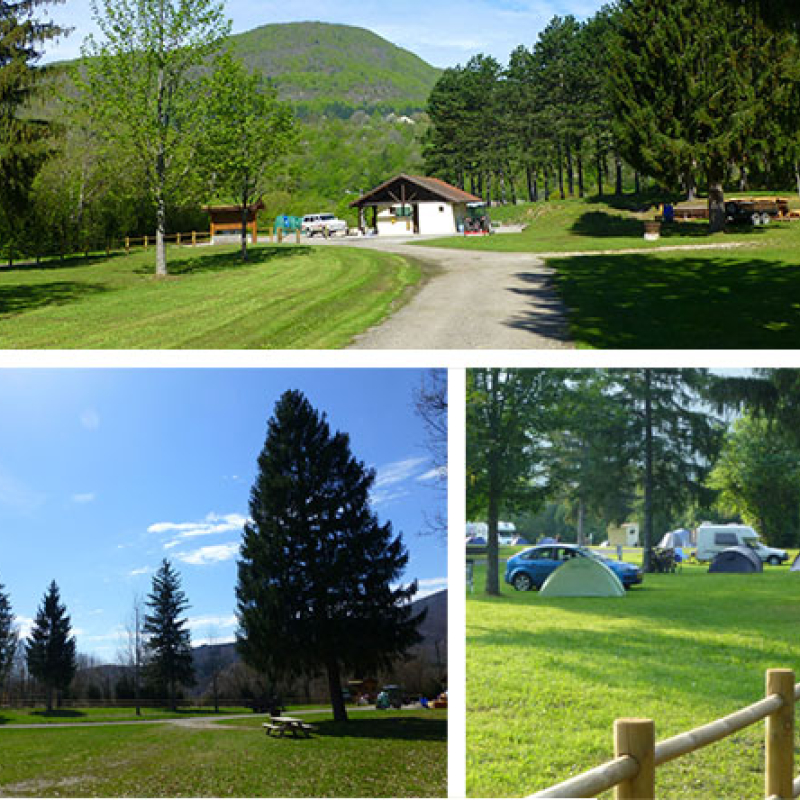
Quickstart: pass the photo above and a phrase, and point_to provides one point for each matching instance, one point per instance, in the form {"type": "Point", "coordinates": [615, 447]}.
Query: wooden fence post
{"type": "Point", "coordinates": [637, 738]}
{"type": "Point", "coordinates": [177, 238]}
{"type": "Point", "coordinates": [297, 235]}
{"type": "Point", "coordinates": [127, 245]}
{"type": "Point", "coordinates": [145, 242]}
{"type": "Point", "coordinates": [280, 235]}
{"type": "Point", "coordinates": [780, 737]}
{"type": "Point", "coordinates": [194, 238]}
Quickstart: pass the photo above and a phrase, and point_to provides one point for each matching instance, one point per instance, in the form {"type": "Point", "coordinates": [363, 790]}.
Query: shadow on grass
{"type": "Point", "coordinates": [69, 262]}
{"type": "Point", "coordinates": [400, 728]}
{"type": "Point", "coordinates": [227, 260]}
{"type": "Point", "coordinates": [705, 302]}
{"type": "Point", "coordinates": [548, 318]}
{"type": "Point", "coordinates": [60, 713]}
{"type": "Point", "coordinates": [16, 299]}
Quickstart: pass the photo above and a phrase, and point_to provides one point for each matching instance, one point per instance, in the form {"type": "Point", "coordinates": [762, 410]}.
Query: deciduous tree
{"type": "Point", "coordinates": [141, 83]}
{"type": "Point", "coordinates": [247, 133]}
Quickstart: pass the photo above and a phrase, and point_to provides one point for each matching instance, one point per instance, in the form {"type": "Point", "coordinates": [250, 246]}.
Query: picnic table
{"type": "Point", "coordinates": [279, 726]}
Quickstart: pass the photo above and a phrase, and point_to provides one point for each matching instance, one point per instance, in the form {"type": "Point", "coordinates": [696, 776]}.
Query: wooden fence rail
{"type": "Point", "coordinates": [632, 773]}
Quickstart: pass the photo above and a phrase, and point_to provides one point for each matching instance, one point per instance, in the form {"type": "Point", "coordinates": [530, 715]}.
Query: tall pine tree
{"type": "Point", "coordinates": [169, 642]}
{"type": "Point", "coordinates": [50, 649]}
{"type": "Point", "coordinates": [318, 575]}
{"type": "Point", "coordinates": [23, 140]}
{"type": "Point", "coordinates": [8, 638]}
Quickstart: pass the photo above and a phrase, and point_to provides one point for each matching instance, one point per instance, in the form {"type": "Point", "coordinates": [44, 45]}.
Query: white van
{"type": "Point", "coordinates": [713, 539]}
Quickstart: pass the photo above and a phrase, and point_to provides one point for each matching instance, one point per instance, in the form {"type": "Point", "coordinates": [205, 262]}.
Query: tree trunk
{"type": "Point", "coordinates": [335, 690]}
{"type": "Point", "coordinates": [581, 511]}
{"type": "Point", "coordinates": [599, 173]}
{"type": "Point", "coordinates": [492, 560]}
{"type": "Point", "coordinates": [512, 189]}
{"type": "Point", "coordinates": [581, 191]}
{"type": "Point", "coordinates": [49, 698]}
{"type": "Point", "coordinates": [797, 175]}
{"type": "Point", "coordinates": [560, 173]}
{"type": "Point", "coordinates": [743, 179]}
{"type": "Point", "coordinates": [502, 182]}
{"type": "Point", "coordinates": [618, 182]}
{"type": "Point", "coordinates": [570, 176]}
{"type": "Point", "coordinates": [488, 197]}
{"type": "Point", "coordinates": [244, 226]}
{"type": "Point", "coordinates": [637, 189]}
{"type": "Point", "coordinates": [648, 470]}
{"type": "Point", "coordinates": [716, 206]}
{"type": "Point", "coordinates": [546, 179]}
{"type": "Point", "coordinates": [161, 182]}
{"type": "Point", "coordinates": [530, 183]}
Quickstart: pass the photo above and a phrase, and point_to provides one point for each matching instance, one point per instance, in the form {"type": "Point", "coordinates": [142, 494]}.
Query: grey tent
{"type": "Point", "coordinates": [736, 559]}
{"type": "Point", "coordinates": [675, 539]}
{"type": "Point", "coordinates": [582, 577]}
{"type": "Point", "coordinates": [795, 564]}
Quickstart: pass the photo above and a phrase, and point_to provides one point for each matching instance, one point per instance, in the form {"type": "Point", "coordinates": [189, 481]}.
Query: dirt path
{"type": "Point", "coordinates": [473, 300]}
{"type": "Point", "coordinates": [182, 722]}
{"type": "Point", "coordinates": [477, 299]}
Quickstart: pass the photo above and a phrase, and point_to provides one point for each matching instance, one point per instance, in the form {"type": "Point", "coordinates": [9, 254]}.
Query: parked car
{"type": "Point", "coordinates": [713, 539]}
{"type": "Point", "coordinates": [323, 224]}
{"type": "Point", "coordinates": [532, 567]}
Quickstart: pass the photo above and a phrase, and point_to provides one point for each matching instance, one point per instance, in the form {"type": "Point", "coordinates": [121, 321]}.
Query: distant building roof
{"type": "Point", "coordinates": [414, 189]}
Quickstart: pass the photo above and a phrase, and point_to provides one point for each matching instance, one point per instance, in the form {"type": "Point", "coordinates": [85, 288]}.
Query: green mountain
{"type": "Point", "coordinates": [319, 64]}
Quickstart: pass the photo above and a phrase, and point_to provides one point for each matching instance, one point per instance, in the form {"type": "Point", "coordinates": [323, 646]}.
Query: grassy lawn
{"type": "Point", "coordinates": [284, 297]}
{"type": "Point", "coordinates": [395, 755]}
{"type": "Point", "coordinates": [547, 677]}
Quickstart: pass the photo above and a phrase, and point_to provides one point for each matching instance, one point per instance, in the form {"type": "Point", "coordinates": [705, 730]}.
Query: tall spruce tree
{"type": "Point", "coordinates": [169, 643]}
{"type": "Point", "coordinates": [23, 140]}
{"type": "Point", "coordinates": [318, 575]}
{"type": "Point", "coordinates": [9, 638]}
{"type": "Point", "coordinates": [677, 434]}
{"type": "Point", "coordinates": [50, 649]}
{"type": "Point", "coordinates": [698, 86]}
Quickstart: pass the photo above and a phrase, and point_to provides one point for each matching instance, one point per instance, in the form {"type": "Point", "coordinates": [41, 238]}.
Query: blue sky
{"type": "Point", "coordinates": [104, 472]}
{"type": "Point", "coordinates": [444, 33]}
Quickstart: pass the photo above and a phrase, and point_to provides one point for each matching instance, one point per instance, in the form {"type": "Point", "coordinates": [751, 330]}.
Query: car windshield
{"type": "Point", "coordinates": [326, 216]}
{"type": "Point", "coordinates": [754, 544]}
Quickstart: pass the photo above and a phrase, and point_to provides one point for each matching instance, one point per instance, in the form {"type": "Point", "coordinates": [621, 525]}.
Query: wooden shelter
{"type": "Point", "coordinates": [227, 220]}
{"type": "Point", "coordinates": [408, 204]}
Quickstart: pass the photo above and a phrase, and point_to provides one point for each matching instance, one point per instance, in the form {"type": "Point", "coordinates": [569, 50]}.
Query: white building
{"type": "Point", "coordinates": [410, 204]}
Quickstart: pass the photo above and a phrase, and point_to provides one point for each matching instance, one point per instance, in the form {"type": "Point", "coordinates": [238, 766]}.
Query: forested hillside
{"type": "Point", "coordinates": [336, 68]}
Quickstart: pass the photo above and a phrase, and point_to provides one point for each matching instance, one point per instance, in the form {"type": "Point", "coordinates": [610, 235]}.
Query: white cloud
{"type": "Point", "coordinates": [433, 474]}
{"type": "Point", "coordinates": [90, 419]}
{"type": "Point", "coordinates": [140, 571]}
{"type": "Point", "coordinates": [398, 471]}
{"type": "Point", "coordinates": [211, 554]}
{"type": "Point", "coordinates": [225, 622]}
{"type": "Point", "coordinates": [387, 496]}
{"type": "Point", "coordinates": [24, 626]}
{"type": "Point", "coordinates": [85, 497]}
{"type": "Point", "coordinates": [212, 524]}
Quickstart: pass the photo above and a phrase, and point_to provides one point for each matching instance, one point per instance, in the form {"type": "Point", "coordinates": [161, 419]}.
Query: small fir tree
{"type": "Point", "coordinates": [50, 649]}
{"type": "Point", "coordinates": [318, 576]}
{"type": "Point", "coordinates": [8, 638]}
{"type": "Point", "coordinates": [169, 642]}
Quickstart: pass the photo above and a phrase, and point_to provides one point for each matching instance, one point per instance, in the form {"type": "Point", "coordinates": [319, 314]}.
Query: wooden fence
{"type": "Point", "coordinates": [632, 773]}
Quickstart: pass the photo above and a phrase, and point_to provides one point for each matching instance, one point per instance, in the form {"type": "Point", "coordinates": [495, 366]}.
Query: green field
{"type": "Point", "coordinates": [547, 677]}
{"type": "Point", "coordinates": [283, 297]}
{"type": "Point", "coordinates": [743, 294]}
{"type": "Point", "coordinates": [397, 754]}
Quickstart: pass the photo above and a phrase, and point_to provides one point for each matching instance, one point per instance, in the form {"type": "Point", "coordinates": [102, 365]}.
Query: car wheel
{"type": "Point", "coordinates": [774, 560]}
{"type": "Point", "coordinates": [522, 582]}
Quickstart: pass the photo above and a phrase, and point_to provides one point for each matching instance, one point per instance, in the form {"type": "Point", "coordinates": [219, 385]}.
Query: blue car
{"type": "Point", "coordinates": [532, 567]}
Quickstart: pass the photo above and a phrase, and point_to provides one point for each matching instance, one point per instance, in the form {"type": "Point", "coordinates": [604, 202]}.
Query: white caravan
{"type": "Point", "coordinates": [713, 539]}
